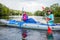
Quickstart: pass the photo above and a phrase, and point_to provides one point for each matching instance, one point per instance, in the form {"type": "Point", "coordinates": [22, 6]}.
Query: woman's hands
{"type": "Point", "coordinates": [47, 19]}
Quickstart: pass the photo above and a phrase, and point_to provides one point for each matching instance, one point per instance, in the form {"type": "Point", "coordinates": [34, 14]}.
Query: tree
{"type": "Point", "coordinates": [29, 13]}
{"type": "Point", "coordinates": [39, 13]}
{"type": "Point", "coordinates": [55, 9]}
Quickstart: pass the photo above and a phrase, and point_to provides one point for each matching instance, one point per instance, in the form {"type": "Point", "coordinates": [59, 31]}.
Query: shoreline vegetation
{"type": "Point", "coordinates": [5, 12]}
{"type": "Point", "coordinates": [57, 20]}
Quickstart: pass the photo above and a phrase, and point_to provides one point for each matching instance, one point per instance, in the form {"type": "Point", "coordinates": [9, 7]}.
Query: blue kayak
{"type": "Point", "coordinates": [31, 25]}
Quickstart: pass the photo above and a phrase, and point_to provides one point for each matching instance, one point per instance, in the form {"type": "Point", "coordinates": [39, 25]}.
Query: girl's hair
{"type": "Point", "coordinates": [49, 11]}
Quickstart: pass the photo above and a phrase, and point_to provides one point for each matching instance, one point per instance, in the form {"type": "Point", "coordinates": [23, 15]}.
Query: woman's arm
{"type": "Point", "coordinates": [52, 17]}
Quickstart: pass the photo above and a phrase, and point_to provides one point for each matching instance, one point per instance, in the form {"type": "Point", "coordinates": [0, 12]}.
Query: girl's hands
{"type": "Point", "coordinates": [47, 19]}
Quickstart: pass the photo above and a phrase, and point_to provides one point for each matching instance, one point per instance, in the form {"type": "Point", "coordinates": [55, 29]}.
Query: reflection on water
{"type": "Point", "coordinates": [10, 34]}
{"type": "Point", "coordinates": [7, 33]}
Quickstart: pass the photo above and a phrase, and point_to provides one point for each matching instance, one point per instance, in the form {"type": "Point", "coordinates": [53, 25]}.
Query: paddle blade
{"type": "Point", "coordinates": [43, 8]}
{"type": "Point", "coordinates": [49, 34]}
{"type": "Point", "coordinates": [49, 31]}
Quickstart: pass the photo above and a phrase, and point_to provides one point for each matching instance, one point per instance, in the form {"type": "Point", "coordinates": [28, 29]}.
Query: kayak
{"type": "Point", "coordinates": [22, 24]}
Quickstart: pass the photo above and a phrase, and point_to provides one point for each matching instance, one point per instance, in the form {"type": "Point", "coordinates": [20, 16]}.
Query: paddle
{"type": "Point", "coordinates": [22, 13]}
{"type": "Point", "coordinates": [49, 31]}
{"type": "Point", "coordinates": [24, 31]}
{"type": "Point", "coordinates": [43, 8]}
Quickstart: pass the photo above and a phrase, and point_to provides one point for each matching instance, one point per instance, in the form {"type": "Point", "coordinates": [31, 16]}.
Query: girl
{"type": "Point", "coordinates": [50, 17]}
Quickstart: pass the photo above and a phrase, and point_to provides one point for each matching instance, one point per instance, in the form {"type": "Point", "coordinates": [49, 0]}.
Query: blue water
{"type": "Point", "coordinates": [7, 33]}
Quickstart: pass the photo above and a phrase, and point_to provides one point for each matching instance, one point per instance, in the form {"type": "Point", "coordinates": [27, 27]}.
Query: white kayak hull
{"type": "Point", "coordinates": [32, 25]}
{"type": "Point", "coordinates": [38, 26]}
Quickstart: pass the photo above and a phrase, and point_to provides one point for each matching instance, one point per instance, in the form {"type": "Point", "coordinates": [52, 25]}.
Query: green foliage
{"type": "Point", "coordinates": [29, 14]}
{"type": "Point", "coordinates": [55, 8]}
{"type": "Point", "coordinates": [39, 13]}
{"type": "Point", "coordinates": [57, 20]}
{"type": "Point", "coordinates": [5, 12]}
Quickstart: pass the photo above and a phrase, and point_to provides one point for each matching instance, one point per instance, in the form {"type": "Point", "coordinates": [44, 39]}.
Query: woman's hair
{"type": "Point", "coordinates": [49, 11]}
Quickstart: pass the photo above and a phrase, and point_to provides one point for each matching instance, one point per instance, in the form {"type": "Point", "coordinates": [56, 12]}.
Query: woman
{"type": "Point", "coordinates": [25, 16]}
{"type": "Point", "coordinates": [50, 17]}
{"type": "Point", "coordinates": [26, 19]}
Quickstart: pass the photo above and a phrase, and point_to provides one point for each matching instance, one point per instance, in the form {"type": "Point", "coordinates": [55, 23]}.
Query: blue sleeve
{"type": "Point", "coordinates": [51, 17]}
